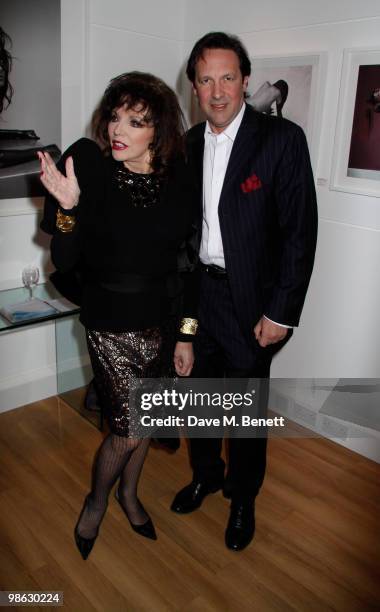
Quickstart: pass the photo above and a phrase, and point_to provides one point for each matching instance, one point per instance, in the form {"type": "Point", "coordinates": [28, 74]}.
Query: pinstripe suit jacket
{"type": "Point", "coordinates": [268, 225]}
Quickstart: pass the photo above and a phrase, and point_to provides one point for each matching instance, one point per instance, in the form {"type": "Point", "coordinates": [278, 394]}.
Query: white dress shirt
{"type": "Point", "coordinates": [216, 155]}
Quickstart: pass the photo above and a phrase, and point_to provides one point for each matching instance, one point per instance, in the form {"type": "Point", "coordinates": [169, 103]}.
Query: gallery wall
{"type": "Point", "coordinates": [102, 40]}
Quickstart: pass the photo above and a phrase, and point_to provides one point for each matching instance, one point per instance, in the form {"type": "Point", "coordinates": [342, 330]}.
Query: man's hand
{"type": "Point", "coordinates": [183, 358]}
{"type": "Point", "coordinates": [266, 332]}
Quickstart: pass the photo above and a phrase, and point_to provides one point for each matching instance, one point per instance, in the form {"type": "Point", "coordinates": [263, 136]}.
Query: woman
{"type": "Point", "coordinates": [121, 214]}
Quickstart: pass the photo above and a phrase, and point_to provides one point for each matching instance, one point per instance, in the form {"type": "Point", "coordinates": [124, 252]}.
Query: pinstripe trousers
{"type": "Point", "coordinates": [223, 350]}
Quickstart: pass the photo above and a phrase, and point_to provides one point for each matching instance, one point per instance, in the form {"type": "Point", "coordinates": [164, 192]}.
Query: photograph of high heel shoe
{"type": "Point", "coordinates": [289, 87]}
{"type": "Point", "coordinates": [298, 80]}
{"type": "Point", "coordinates": [270, 98]}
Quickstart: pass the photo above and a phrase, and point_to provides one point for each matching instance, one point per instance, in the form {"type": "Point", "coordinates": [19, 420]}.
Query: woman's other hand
{"type": "Point", "coordinates": [183, 358]}
{"type": "Point", "coordinates": [64, 189]}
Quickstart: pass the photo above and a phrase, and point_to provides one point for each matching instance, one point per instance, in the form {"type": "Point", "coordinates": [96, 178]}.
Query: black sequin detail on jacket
{"type": "Point", "coordinates": [144, 189]}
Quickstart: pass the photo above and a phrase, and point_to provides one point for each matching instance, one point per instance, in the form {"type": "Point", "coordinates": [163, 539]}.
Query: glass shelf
{"type": "Point", "coordinates": [45, 291]}
{"type": "Point", "coordinates": [74, 370]}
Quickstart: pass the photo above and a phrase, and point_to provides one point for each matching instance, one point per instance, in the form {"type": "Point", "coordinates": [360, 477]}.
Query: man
{"type": "Point", "coordinates": [257, 251]}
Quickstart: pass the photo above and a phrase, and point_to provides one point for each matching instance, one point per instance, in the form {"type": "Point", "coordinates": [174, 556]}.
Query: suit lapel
{"type": "Point", "coordinates": [245, 145]}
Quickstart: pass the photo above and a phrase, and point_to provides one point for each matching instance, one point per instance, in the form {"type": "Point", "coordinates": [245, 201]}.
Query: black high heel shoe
{"type": "Point", "coordinates": [84, 545]}
{"type": "Point", "coordinates": [147, 529]}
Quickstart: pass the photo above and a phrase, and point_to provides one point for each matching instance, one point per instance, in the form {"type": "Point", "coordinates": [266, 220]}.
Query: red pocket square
{"type": "Point", "coordinates": [251, 184]}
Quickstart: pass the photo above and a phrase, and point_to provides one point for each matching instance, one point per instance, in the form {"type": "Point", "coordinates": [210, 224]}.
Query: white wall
{"type": "Point", "coordinates": [102, 40]}
{"type": "Point", "coordinates": [247, 16]}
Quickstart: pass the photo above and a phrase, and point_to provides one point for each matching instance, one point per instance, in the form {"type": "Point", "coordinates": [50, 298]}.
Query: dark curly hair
{"type": "Point", "coordinates": [218, 40]}
{"type": "Point", "coordinates": [159, 102]}
{"type": "Point", "coordinates": [6, 89]}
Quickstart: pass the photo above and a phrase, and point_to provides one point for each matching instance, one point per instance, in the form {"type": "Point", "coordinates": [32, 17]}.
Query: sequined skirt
{"type": "Point", "coordinates": [118, 361]}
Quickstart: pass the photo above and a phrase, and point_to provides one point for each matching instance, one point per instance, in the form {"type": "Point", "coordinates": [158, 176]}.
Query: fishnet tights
{"type": "Point", "coordinates": [117, 457]}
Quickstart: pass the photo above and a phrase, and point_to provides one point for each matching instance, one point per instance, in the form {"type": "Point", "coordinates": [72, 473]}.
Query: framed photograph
{"type": "Point", "coordinates": [291, 87]}
{"type": "Point", "coordinates": [357, 139]}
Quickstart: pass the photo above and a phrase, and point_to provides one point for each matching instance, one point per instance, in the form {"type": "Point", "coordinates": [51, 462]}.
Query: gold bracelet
{"type": "Point", "coordinates": [65, 223]}
{"type": "Point", "coordinates": [189, 326]}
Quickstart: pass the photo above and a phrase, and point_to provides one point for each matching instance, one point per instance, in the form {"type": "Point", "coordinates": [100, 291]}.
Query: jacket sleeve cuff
{"type": "Point", "coordinates": [185, 337]}
{"type": "Point", "coordinates": [69, 213]}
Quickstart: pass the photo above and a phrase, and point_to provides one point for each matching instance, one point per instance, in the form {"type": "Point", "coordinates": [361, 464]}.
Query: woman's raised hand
{"type": "Point", "coordinates": [65, 189]}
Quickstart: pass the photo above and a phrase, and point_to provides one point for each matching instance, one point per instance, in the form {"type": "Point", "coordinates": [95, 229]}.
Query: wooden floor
{"type": "Point", "coordinates": [316, 545]}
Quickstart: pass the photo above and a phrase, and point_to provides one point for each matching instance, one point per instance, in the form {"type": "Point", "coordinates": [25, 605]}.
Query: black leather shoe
{"type": "Point", "coordinates": [84, 545]}
{"type": "Point", "coordinates": [191, 497]}
{"type": "Point", "coordinates": [147, 529]}
{"type": "Point", "coordinates": [241, 525]}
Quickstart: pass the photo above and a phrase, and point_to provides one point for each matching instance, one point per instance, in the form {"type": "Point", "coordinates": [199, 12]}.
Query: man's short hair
{"type": "Point", "coordinates": [218, 40]}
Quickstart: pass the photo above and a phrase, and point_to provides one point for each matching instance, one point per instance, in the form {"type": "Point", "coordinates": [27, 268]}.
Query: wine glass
{"type": "Point", "coordinates": [30, 277]}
